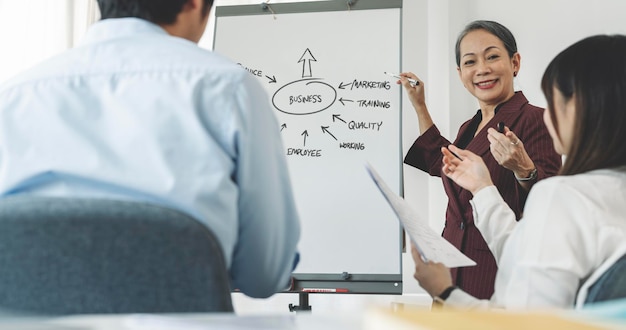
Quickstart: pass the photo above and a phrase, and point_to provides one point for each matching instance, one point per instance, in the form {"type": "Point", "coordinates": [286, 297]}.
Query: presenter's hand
{"type": "Point", "coordinates": [508, 150]}
{"type": "Point", "coordinates": [414, 92]}
{"type": "Point", "coordinates": [433, 277]}
{"type": "Point", "coordinates": [468, 170]}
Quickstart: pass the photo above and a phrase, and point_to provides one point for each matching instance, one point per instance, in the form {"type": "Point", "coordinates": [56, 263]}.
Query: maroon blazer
{"type": "Point", "coordinates": [526, 121]}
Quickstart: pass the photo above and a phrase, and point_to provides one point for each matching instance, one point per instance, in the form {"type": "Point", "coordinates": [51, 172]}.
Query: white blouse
{"type": "Point", "coordinates": [570, 226]}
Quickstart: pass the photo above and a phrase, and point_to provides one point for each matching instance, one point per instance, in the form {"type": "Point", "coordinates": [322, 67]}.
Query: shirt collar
{"type": "Point", "coordinates": [114, 28]}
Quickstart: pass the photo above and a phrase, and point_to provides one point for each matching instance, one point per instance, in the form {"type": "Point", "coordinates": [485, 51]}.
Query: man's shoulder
{"type": "Point", "coordinates": [179, 54]}
{"type": "Point", "coordinates": [161, 55]}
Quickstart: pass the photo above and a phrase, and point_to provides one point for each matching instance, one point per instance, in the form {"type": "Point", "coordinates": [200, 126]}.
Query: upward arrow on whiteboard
{"type": "Point", "coordinates": [306, 58]}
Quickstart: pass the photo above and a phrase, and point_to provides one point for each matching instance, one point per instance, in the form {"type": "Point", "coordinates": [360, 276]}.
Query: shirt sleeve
{"type": "Point", "coordinates": [543, 258]}
{"type": "Point", "coordinates": [494, 219]}
{"type": "Point", "coordinates": [269, 227]}
{"type": "Point", "coordinates": [461, 300]}
{"type": "Point", "coordinates": [552, 249]}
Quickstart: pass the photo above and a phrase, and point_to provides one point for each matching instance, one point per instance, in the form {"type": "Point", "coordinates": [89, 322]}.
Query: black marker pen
{"type": "Point", "coordinates": [500, 127]}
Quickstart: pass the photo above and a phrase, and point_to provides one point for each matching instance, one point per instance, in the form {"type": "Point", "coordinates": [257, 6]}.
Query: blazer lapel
{"type": "Point", "coordinates": [508, 113]}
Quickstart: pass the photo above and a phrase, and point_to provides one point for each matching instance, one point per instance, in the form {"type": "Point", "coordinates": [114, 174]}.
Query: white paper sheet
{"type": "Point", "coordinates": [429, 243]}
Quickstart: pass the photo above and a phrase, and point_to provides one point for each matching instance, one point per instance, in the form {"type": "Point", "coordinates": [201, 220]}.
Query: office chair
{"type": "Point", "coordinates": [90, 256]}
{"type": "Point", "coordinates": [610, 285]}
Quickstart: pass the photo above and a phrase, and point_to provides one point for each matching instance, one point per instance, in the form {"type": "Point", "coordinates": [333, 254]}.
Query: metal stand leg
{"type": "Point", "coordinates": [304, 304]}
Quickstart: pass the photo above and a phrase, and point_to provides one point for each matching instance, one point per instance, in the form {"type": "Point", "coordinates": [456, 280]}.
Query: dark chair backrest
{"type": "Point", "coordinates": [90, 256]}
{"type": "Point", "coordinates": [610, 285]}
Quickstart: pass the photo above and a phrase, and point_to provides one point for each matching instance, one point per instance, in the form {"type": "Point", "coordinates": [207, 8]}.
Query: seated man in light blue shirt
{"type": "Point", "coordinates": [139, 112]}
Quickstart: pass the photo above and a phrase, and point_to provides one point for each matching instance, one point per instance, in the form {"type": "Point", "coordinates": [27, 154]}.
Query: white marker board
{"type": "Point", "coordinates": [323, 66]}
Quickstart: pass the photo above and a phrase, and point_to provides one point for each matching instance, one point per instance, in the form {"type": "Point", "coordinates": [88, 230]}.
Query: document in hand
{"type": "Point", "coordinates": [430, 244]}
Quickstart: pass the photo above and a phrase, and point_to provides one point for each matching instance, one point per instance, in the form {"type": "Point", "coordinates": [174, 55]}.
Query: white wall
{"type": "Point", "coordinates": [33, 30]}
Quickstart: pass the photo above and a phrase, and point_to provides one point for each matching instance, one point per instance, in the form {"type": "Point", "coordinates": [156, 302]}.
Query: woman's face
{"type": "Point", "coordinates": [486, 69]}
{"type": "Point", "coordinates": [565, 114]}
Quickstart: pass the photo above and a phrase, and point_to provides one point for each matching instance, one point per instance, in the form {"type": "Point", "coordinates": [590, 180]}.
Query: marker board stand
{"type": "Point", "coordinates": [323, 65]}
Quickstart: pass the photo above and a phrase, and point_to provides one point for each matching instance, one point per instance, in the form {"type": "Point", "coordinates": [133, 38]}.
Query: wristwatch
{"type": "Point", "coordinates": [441, 298]}
{"type": "Point", "coordinates": [531, 176]}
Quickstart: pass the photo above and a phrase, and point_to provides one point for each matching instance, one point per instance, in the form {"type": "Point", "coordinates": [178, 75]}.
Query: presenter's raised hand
{"type": "Point", "coordinates": [508, 150]}
{"type": "Point", "coordinates": [465, 168]}
{"type": "Point", "coordinates": [415, 92]}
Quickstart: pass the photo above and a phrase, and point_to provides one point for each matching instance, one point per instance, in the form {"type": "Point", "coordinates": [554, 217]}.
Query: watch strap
{"type": "Point", "coordinates": [446, 293]}
{"type": "Point", "coordinates": [531, 176]}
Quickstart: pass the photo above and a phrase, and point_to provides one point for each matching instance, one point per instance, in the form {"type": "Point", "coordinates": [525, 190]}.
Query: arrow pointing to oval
{"type": "Point", "coordinates": [305, 134]}
{"type": "Point", "coordinates": [342, 100]}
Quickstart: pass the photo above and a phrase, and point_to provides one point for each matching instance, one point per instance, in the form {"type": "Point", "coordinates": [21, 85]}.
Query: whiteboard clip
{"type": "Point", "coordinates": [350, 3]}
{"type": "Point", "coordinates": [266, 6]}
{"type": "Point", "coordinates": [345, 276]}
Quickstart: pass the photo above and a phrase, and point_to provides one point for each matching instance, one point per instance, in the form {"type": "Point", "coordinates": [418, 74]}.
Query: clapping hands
{"type": "Point", "coordinates": [465, 168]}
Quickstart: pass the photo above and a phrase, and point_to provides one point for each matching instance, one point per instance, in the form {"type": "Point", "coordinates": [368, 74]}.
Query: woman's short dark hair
{"type": "Point", "coordinates": [593, 72]}
{"type": "Point", "coordinates": [495, 28]}
{"type": "Point", "coordinates": [155, 11]}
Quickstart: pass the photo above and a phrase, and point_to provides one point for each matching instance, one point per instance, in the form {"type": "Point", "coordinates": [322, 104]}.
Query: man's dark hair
{"type": "Point", "coordinates": [155, 11]}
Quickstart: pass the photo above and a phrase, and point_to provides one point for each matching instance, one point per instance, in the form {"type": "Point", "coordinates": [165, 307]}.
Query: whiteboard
{"type": "Point", "coordinates": [323, 64]}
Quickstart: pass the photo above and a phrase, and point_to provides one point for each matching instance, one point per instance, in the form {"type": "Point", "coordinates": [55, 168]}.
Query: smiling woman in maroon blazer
{"type": "Point", "coordinates": [487, 62]}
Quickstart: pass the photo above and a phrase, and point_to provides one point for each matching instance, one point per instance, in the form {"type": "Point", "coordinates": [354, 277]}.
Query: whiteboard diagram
{"type": "Point", "coordinates": [323, 71]}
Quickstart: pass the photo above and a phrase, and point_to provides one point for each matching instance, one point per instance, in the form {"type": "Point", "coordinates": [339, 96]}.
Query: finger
{"type": "Point", "coordinates": [501, 140]}
{"type": "Point", "coordinates": [417, 257]}
{"type": "Point", "coordinates": [448, 156]}
{"type": "Point", "coordinates": [494, 137]}
{"type": "Point", "coordinates": [497, 155]}
{"type": "Point", "coordinates": [462, 154]}
{"type": "Point", "coordinates": [496, 144]}
{"type": "Point", "coordinates": [451, 162]}
{"type": "Point", "coordinates": [493, 132]}
{"type": "Point", "coordinates": [513, 139]}
{"type": "Point", "coordinates": [448, 171]}
{"type": "Point", "coordinates": [417, 83]}
{"type": "Point", "coordinates": [408, 75]}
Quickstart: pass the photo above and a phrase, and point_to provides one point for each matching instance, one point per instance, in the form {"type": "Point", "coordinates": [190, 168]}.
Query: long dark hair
{"type": "Point", "coordinates": [155, 11]}
{"type": "Point", "coordinates": [495, 28]}
{"type": "Point", "coordinates": [593, 72]}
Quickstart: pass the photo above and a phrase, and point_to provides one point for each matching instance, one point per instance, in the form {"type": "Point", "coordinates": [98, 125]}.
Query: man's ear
{"type": "Point", "coordinates": [192, 5]}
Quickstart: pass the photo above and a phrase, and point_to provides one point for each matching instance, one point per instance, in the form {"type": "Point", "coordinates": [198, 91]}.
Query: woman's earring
{"type": "Point", "coordinates": [514, 73]}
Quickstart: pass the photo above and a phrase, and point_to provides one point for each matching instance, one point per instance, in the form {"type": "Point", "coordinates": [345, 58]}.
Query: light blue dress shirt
{"type": "Point", "coordinates": [134, 113]}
